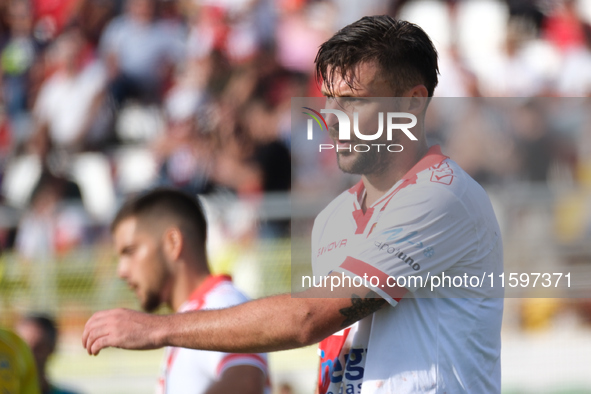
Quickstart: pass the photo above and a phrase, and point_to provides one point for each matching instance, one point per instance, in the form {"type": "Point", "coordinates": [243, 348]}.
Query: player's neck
{"type": "Point", "coordinates": [378, 184]}
{"type": "Point", "coordinates": [44, 383]}
{"type": "Point", "coordinates": [187, 280]}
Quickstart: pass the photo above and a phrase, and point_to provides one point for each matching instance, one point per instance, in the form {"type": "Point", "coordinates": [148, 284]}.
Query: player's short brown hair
{"type": "Point", "coordinates": [166, 202]}
{"type": "Point", "coordinates": [402, 50]}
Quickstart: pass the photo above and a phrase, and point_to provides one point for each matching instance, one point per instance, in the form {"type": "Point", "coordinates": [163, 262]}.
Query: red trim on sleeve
{"type": "Point", "coordinates": [361, 268]}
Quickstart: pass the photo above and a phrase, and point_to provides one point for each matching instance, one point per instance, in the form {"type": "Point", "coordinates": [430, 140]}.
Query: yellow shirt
{"type": "Point", "coordinates": [18, 373]}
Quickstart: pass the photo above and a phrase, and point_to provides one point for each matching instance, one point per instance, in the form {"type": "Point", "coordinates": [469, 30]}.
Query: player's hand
{"type": "Point", "coordinates": [122, 328]}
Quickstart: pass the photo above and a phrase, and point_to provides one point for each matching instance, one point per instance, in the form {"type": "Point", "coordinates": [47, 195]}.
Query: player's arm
{"type": "Point", "coordinates": [240, 379]}
{"type": "Point", "coordinates": [268, 324]}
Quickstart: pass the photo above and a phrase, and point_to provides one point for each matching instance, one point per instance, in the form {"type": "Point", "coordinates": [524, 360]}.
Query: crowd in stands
{"type": "Point", "coordinates": [103, 98]}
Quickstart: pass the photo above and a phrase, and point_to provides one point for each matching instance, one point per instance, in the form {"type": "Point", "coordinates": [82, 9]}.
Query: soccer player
{"type": "Point", "coordinates": [160, 239]}
{"type": "Point", "coordinates": [40, 333]}
{"type": "Point", "coordinates": [415, 213]}
{"type": "Point", "coordinates": [18, 374]}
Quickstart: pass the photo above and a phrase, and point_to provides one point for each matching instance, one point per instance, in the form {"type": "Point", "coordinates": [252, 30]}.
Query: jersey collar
{"type": "Point", "coordinates": [211, 281]}
{"type": "Point", "coordinates": [431, 158]}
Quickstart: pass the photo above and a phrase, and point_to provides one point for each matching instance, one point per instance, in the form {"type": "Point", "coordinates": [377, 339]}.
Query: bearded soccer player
{"type": "Point", "coordinates": [415, 213]}
{"type": "Point", "coordinates": [160, 239]}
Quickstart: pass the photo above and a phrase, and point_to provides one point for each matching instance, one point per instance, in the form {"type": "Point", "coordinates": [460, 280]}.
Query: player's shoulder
{"type": "Point", "coordinates": [446, 189]}
{"type": "Point", "coordinates": [225, 294]}
{"type": "Point", "coordinates": [446, 182]}
{"type": "Point", "coordinates": [14, 348]}
{"type": "Point", "coordinates": [11, 342]}
{"type": "Point", "coordinates": [445, 175]}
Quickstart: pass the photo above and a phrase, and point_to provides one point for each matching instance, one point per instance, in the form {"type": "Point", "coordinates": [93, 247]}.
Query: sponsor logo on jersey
{"type": "Point", "coordinates": [331, 246]}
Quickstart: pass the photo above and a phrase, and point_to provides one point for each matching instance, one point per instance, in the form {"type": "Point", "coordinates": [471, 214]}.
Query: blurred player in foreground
{"type": "Point", "coordinates": [40, 333]}
{"type": "Point", "coordinates": [18, 374]}
{"type": "Point", "coordinates": [414, 213]}
{"type": "Point", "coordinates": [160, 239]}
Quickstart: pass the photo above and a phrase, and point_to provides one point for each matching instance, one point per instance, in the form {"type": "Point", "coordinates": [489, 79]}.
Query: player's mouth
{"type": "Point", "coordinates": [343, 144]}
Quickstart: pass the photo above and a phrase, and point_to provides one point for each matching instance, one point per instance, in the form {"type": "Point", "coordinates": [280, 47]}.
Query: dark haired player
{"type": "Point", "coordinates": [160, 238]}
{"type": "Point", "coordinates": [418, 204]}
{"type": "Point", "coordinates": [40, 333]}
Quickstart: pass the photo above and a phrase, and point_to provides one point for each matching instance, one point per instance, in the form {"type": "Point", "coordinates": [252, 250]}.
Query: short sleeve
{"type": "Point", "coordinates": [416, 237]}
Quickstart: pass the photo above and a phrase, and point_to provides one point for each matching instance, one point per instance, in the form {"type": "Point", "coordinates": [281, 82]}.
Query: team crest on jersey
{"type": "Point", "coordinates": [442, 173]}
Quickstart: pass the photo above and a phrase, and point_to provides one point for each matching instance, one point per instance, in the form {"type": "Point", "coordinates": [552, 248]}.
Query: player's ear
{"type": "Point", "coordinates": [416, 99]}
{"type": "Point", "coordinates": [173, 243]}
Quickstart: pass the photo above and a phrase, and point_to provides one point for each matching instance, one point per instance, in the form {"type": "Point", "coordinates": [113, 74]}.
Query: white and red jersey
{"type": "Point", "coordinates": [194, 371]}
{"type": "Point", "coordinates": [435, 221]}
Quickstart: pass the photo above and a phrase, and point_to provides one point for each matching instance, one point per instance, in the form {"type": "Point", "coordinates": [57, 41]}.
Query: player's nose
{"type": "Point", "coordinates": [330, 118]}
{"type": "Point", "coordinates": [123, 268]}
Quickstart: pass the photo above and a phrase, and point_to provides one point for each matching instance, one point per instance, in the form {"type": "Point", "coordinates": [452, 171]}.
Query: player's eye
{"type": "Point", "coordinates": [128, 250]}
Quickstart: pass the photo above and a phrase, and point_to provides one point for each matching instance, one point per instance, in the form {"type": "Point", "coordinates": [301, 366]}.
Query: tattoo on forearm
{"type": "Point", "coordinates": [361, 307]}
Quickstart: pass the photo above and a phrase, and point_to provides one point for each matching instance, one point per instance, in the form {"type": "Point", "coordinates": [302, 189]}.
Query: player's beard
{"type": "Point", "coordinates": [155, 290]}
{"type": "Point", "coordinates": [360, 163]}
{"type": "Point", "coordinates": [151, 303]}
{"type": "Point", "coordinates": [364, 163]}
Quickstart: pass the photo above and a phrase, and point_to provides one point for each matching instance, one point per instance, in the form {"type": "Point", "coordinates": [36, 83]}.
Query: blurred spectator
{"type": "Point", "coordinates": [51, 17]}
{"type": "Point", "coordinates": [185, 151]}
{"type": "Point", "coordinates": [517, 75]}
{"type": "Point", "coordinates": [17, 365]}
{"type": "Point", "coordinates": [270, 155]}
{"type": "Point", "coordinates": [529, 11]}
{"type": "Point", "coordinates": [457, 80]}
{"type": "Point", "coordinates": [5, 141]}
{"type": "Point", "coordinates": [534, 146]}
{"type": "Point", "coordinates": [92, 16]}
{"type": "Point", "coordinates": [575, 74]}
{"type": "Point", "coordinates": [18, 56]}
{"type": "Point", "coordinates": [54, 221]}
{"type": "Point", "coordinates": [140, 51]}
{"type": "Point", "coordinates": [255, 160]}
{"type": "Point", "coordinates": [478, 140]}
{"type": "Point", "coordinates": [300, 33]}
{"type": "Point", "coordinates": [564, 26]}
{"type": "Point", "coordinates": [70, 99]}
{"type": "Point", "coordinates": [41, 335]}
{"type": "Point", "coordinates": [236, 29]}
